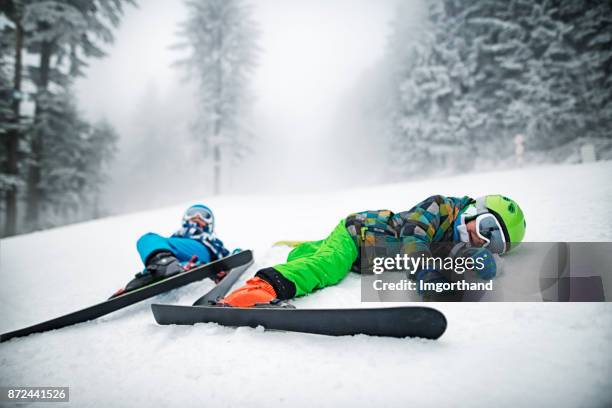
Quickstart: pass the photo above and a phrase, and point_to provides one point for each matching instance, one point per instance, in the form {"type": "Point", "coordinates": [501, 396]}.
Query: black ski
{"type": "Point", "coordinates": [197, 273]}
{"type": "Point", "coordinates": [413, 321]}
{"type": "Point", "coordinates": [221, 289]}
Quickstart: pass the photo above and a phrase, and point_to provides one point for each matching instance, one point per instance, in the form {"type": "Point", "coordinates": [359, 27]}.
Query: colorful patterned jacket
{"type": "Point", "coordinates": [193, 231]}
{"type": "Point", "coordinates": [382, 233]}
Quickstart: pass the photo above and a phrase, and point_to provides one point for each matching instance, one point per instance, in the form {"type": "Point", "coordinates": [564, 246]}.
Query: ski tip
{"type": "Point", "coordinates": [157, 309]}
{"type": "Point", "coordinates": [247, 254]}
{"type": "Point", "coordinates": [441, 323]}
{"type": "Point", "coordinates": [154, 309]}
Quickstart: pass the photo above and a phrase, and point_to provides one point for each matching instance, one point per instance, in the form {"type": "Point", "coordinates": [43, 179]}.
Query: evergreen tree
{"type": "Point", "coordinates": [12, 127]}
{"type": "Point", "coordinates": [586, 31]}
{"type": "Point", "coordinates": [62, 34]}
{"type": "Point", "coordinates": [431, 116]}
{"type": "Point", "coordinates": [479, 73]}
{"type": "Point", "coordinates": [100, 148]}
{"type": "Point", "coordinates": [7, 178]}
{"type": "Point", "coordinates": [496, 59]}
{"type": "Point", "coordinates": [220, 41]}
{"type": "Point", "coordinates": [75, 154]}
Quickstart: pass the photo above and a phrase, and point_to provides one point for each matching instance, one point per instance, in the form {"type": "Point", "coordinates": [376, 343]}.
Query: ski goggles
{"type": "Point", "coordinates": [198, 213]}
{"type": "Point", "coordinates": [490, 230]}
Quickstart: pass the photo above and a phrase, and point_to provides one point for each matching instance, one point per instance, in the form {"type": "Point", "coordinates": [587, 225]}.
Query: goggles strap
{"type": "Point", "coordinates": [481, 206]}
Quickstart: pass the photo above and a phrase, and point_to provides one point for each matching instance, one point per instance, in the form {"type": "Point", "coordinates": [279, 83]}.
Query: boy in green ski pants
{"type": "Point", "coordinates": [474, 227]}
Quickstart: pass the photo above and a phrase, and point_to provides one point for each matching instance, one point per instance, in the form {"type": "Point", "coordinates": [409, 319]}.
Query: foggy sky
{"type": "Point", "coordinates": [314, 54]}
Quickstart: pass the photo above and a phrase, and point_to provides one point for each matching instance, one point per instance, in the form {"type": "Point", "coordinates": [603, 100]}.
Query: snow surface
{"type": "Point", "coordinates": [493, 354]}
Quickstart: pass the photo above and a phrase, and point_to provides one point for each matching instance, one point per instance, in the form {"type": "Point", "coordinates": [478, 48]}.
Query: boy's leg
{"type": "Point", "coordinates": [185, 248]}
{"type": "Point", "coordinates": [304, 249]}
{"type": "Point", "coordinates": [151, 243]}
{"type": "Point", "coordinates": [160, 260]}
{"type": "Point", "coordinates": [182, 248]}
{"type": "Point", "coordinates": [320, 263]}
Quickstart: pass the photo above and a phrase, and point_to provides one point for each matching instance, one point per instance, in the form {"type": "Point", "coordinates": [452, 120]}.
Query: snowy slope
{"type": "Point", "coordinates": [506, 354]}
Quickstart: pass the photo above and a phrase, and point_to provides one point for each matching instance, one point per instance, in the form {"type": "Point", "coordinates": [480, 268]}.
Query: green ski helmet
{"type": "Point", "coordinates": [509, 215]}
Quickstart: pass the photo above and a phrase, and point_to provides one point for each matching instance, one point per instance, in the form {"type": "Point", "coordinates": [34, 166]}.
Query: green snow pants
{"type": "Point", "coordinates": [317, 264]}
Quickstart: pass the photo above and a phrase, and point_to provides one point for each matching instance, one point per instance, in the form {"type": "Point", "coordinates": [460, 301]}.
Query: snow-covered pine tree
{"type": "Point", "coordinates": [402, 56]}
{"type": "Point", "coordinates": [586, 29]}
{"type": "Point", "coordinates": [98, 147]}
{"type": "Point", "coordinates": [62, 34]}
{"type": "Point", "coordinates": [566, 93]}
{"type": "Point", "coordinates": [410, 57]}
{"type": "Point", "coordinates": [485, 71]}
{"type": "Point", "coordinates": [7, 178]}
{"type": "Point", "coordinates": [12, 128]}
{"type": "Point", "coordinates": [6, 86]}
{"type": "Point", "coordinates": [58, 164]}
{"type": "Point", "coordinates": [497, 58]}
{"type": "Point", "coordinates": [6, 117]}
{"type": "Point", "coordinates": [431, 116]}
{"type": "Point", "coordinates": [458, 111]}
{"type": "Point", "coordinates": [220, 38]}
{"type": "Point", "coordinates": [72, 167]}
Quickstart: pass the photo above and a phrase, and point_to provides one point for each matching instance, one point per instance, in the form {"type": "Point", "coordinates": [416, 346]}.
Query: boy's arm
{"type": "Point", "coordinates": [419, 226]}
{"type": "Point", "coordinates": [223, 251]}
{"type": "Point", "coordinates": [215, 245]}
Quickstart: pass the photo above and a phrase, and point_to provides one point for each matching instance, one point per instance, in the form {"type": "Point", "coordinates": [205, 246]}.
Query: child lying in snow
{"type": "Point", "coordinates": [163, 257]}
{"type": "Point", "coordinates": [476, 227]}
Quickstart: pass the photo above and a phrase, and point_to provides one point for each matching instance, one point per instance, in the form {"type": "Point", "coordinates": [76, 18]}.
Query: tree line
{"type": "Point", "coordinates": [470, 76]}
{"type": "Point", "coordinates": [52, 159]}
{"type": "Point", "coordinates": [465, 79]}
